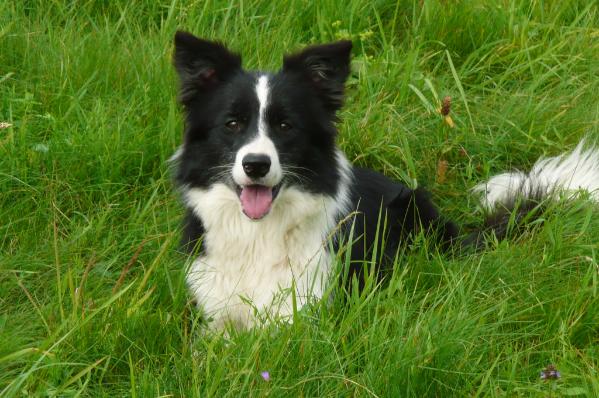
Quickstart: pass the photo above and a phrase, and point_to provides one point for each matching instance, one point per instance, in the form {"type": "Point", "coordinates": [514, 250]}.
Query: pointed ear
{"type": "Point", "coordinates": [326, 67]}
{"type": "Point", "coordinates": [201, 64]}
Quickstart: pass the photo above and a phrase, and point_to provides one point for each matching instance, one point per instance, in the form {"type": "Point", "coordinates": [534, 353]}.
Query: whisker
{"type": "Point", "coordinates": [290, 167]}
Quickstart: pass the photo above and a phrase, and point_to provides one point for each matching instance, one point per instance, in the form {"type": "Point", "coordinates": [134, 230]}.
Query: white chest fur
{"type": "Point", "coordinates": [250, 267]}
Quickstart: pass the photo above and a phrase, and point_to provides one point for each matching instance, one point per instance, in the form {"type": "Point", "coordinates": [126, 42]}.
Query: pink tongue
{"type": "Point", "coordinates": [256, 200]}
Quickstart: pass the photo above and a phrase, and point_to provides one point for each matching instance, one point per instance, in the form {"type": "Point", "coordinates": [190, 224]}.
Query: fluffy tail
{"type": "Point", "coordinates": [515, 198]}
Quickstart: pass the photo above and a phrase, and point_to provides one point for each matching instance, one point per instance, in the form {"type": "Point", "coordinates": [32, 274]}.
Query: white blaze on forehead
{"type": "Point", "coordinates": [260, 144]}
{"type": "Point", "coordinates": [262, 94]}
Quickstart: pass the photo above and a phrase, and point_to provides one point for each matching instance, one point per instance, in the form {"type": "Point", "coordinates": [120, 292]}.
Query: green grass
{"type": "Point", "coordinates": [92, 293]}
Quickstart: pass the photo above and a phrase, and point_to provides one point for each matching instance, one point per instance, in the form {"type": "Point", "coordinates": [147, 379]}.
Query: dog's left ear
{"type": "Point", "coordinates": [326, 67]}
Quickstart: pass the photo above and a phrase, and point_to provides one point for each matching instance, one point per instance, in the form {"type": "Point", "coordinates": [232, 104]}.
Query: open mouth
{"type": "Point", "coordinates": [256, 200]}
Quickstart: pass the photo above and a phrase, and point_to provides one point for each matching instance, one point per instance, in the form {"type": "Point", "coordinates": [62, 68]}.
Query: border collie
{"type": "Point", "coordinates": [269, 195]}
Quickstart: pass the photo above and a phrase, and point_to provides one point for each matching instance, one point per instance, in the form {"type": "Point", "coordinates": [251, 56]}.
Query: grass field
{"type": "Point", "coordinates": [92, 294]}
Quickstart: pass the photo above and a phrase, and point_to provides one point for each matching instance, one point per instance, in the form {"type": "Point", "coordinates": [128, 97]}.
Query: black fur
{"type": "Point", "coordinates": [192, 233]}
{"type": "Point", "coordinates": [510, 218]}
{"type": "Point", "coordinates": [325, 67]}
{"type": "Point", "coordinates": [388, 215]}
{"type": "Point", "coordinates": [202, 65]}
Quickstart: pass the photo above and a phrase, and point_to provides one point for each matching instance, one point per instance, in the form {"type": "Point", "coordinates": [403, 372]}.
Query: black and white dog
{"type": "Point", "coordinates": [269, 194]}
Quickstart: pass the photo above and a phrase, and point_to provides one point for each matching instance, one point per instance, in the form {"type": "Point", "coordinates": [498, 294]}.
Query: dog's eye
{"type": "Point", "coordinates": [233, 125]}
{"type": "Point", "coordinates": [284, 126]}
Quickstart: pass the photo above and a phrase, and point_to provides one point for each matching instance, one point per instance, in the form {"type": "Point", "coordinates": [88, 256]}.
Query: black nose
{"type": "Point", "coordinates": [255, 165]}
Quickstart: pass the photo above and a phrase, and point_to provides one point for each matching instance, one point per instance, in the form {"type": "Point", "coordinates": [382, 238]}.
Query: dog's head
{"type": "Point", "coordinates": [259, 133]}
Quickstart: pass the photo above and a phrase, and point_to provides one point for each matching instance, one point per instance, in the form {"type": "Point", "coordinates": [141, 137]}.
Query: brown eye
{"type": "Point", "coordinates": [233, 125]}
{"type": "Point", "coordinates": [284, 126]}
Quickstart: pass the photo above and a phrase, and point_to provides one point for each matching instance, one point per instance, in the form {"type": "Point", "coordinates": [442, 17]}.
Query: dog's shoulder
{"type": "Point", "coordinates": [193, 231]}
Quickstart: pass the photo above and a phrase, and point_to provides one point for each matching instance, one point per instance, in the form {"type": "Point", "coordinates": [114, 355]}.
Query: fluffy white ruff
{"type": "Point", "coordinates": [249, 268]}
{"type": "Point", "coordinates": [564, 174]}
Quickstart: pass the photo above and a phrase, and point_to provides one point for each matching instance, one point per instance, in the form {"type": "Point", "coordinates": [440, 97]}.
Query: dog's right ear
{"type": "Point", "coordinates": [201, 64]}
